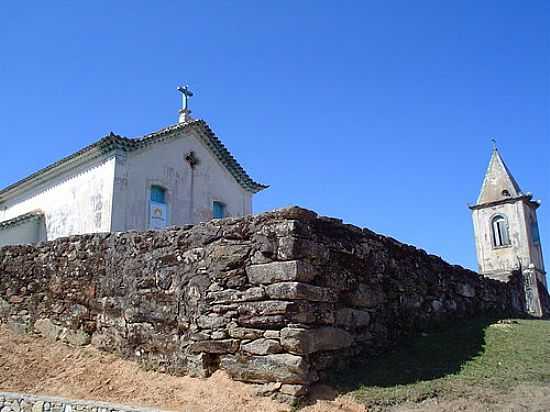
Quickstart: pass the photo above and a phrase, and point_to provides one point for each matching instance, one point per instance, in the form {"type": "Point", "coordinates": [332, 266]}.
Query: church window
{"type": "Point", "coordinates": [505, 193]}
{"type": "Point", "coordinates": [501, 236]}
{"type": "Point", "coordinates": [218, 210]}
{"type": "Point", "coordinates": [158, 194]}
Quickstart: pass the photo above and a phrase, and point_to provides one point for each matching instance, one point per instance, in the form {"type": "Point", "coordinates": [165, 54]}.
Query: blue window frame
{"type": "Point", "coordinates": [158, 194]}
{"type": "Point", "coordinates": [218, 210]}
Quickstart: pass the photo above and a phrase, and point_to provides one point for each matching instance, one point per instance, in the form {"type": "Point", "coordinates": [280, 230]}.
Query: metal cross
{"type": "Point", "coordinates": [494, 143]}
{"type": "Point", "coordinates": [185, 95]}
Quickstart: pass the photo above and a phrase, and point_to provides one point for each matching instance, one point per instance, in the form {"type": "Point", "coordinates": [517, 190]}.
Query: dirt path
{"type": "Point", "coordinates": [33, 365]}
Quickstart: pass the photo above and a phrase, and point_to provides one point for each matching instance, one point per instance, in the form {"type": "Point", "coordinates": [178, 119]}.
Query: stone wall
{"type": "Point", "coordinates": [274, 299]}
{"type": "Point", "coordinates": [22, 402]}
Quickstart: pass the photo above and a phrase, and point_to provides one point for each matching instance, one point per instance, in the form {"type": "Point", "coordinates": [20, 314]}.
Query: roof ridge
{"type": "Point", "coordinates": [114, 141]}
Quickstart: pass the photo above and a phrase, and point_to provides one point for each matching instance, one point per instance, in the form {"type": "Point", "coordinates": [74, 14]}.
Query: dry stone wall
{"type": "Point", "coordinates": [275, 299]}
{"type": "Point", "coordinates": [23, 402]}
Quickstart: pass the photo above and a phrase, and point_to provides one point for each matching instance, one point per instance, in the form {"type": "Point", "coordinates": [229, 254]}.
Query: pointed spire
{"type": "Point", "coordinates": [498, 183]}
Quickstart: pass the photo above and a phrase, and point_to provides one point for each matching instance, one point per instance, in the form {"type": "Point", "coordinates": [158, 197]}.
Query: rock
{"type": "Point", "coordinates": [17, 327]}
{"type": "Point", "coordinates": [244, 333]}
{"type": "Point", "coordinates": [367, 296]}
{"type": "Point", "coordinates": [272, 334]}
{"type": "Point", "coordinates": [5, 308]}
{"type": "Point", "coordinates": [294, 390]}
{"type": "Point", "coordinates": [75, 338]}
{"type": "Point", "coordinates": [215, 346]}
{"type": "Point", "coordinates": [231, 295]}
{"type": "Point", "coordinates": [266, 389]}
{"type": "Point", "coordinates": [352, 318]}
{"type": "Point", "coordinates": [300, 291]}
{"type": "Point", "coordinates": [211, 321]}
{"type": "Point", "coordinates": [269, 307]}
{"type": "Point", "coordinates": [436, 305]}
{"type": "Point", "coordinates": [293, 270]}
{"type": "Point", "coordinates": [38, 406]}
{"type": "Point", "coordinates": [283, 368]}
{"type": "Point", "coordinates": [307, 341]}
{"type": "Point", "coordinates": [466, 290]}
{"type": "Point", "coordinates": [200, 366]}
{"type": "Point", "coordinates": [262, 346]}
{"type": "Point", "coordinates": [16, 299]}
{"type": "Point", "coordinates": [48, 329]}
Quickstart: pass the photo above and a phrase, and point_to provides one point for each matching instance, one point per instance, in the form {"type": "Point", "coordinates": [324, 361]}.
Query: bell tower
{"type": "Point", "coordinates": [506, 232]}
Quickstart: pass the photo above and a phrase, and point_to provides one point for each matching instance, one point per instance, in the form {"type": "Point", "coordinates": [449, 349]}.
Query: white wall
{"type": "Point", "coordinates": [28, 232]}
{"type": "Point", "coordinates": [75, 202]}
{"type": "Point", "coordinates": [501, 259]}
{"type": "Point", "coordinates": [190, 192]}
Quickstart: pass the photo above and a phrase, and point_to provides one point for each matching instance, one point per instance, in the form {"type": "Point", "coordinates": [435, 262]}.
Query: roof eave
{"type": "Point", "coordinates": [98, 149]}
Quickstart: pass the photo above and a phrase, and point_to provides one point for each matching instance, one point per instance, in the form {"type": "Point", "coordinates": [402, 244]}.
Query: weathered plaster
{"type": "Point", "coordinates": [77, 201]}
{"type": "Point", "coordinates": [190, 191]}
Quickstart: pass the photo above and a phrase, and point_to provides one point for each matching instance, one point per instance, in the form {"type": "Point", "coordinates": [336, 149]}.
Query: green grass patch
{"type": "Point", "coordinates": [467, 359]}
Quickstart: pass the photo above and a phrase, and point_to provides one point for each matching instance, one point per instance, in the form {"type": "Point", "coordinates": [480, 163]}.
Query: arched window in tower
{"type": "Point", "coordinates": [501, 236]}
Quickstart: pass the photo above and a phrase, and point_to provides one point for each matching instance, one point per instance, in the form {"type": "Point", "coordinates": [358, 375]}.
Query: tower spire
{"type": "Point", "coordinates": [498, 183]}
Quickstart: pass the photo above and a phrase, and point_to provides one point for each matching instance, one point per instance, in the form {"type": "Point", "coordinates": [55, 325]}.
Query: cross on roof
{"type": "Point", "coordinates": [186, 93]}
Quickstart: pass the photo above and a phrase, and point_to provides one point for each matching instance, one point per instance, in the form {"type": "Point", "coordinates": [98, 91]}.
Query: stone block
{"type": "Point", "coordinates": [367, 296]}
{"type": "Point", "coordinates": [215, 346]}
{"type": "Point", "coordinates": [262, 346]}
{"type": "Point", "coordinates": [284, 368]}
{"type": "Point", "coordinates": [293, 270]}
{"type": "Point", "coordinates": [244, 333]}
{"type": "Point", "coordinates": [300, 291]}
{"type": "Point", "coordinates": [466, 290]}
{"type": "Point", "coordinates": [352, 318]}
{"type": "Point", "coordinates": [306, 341]}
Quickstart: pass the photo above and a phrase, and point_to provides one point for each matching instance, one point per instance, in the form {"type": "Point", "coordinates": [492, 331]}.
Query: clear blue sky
{"type": "Point", "coordinates": [378, 112]}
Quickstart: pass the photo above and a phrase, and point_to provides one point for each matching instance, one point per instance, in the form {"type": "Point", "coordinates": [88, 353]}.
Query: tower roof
{"type": "Point", "coordinates": [498, 184]}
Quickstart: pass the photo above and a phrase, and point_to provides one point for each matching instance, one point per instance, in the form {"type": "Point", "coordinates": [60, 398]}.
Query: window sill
{"type": "Point", "coordinates": [502, 247]}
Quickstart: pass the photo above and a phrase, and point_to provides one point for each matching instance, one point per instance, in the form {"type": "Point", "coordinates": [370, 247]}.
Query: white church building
{"type": "Point", "coordinates": [182, 174]}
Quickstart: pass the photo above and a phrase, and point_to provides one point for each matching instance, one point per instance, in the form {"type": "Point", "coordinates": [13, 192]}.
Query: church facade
{"type": "Point", "coordinates": [179, 175]}
{"type": "Point", "coordinates": [507, 234]}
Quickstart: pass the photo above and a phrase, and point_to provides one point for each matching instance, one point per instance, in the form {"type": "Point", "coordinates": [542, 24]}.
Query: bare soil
{"type": "Point", "coordinates": [31, 364]}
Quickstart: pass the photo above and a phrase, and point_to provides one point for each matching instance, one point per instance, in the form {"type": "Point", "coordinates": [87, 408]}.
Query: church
{"type": "Point", "coordinates": [507, 233]}
{"type": "Point", "coordinates": [182, 174]}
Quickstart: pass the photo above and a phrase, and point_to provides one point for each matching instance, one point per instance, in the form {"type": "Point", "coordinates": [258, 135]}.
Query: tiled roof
{"type": "Point", "coordinates": [20, 219]}
{"type": "Point", "coordinates": [113, 142]}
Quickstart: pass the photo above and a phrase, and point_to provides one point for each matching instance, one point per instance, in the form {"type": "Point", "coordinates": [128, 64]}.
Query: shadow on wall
{"type": "Point", "coordinates": [422, 358]}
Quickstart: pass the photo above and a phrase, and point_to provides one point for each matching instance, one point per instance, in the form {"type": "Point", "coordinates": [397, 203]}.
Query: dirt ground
{"type": "Point", "coordinates": [33, 365]}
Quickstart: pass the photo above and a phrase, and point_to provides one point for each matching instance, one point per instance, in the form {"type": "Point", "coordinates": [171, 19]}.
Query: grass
{"type": "Point", "coordinates": [470, 359]}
